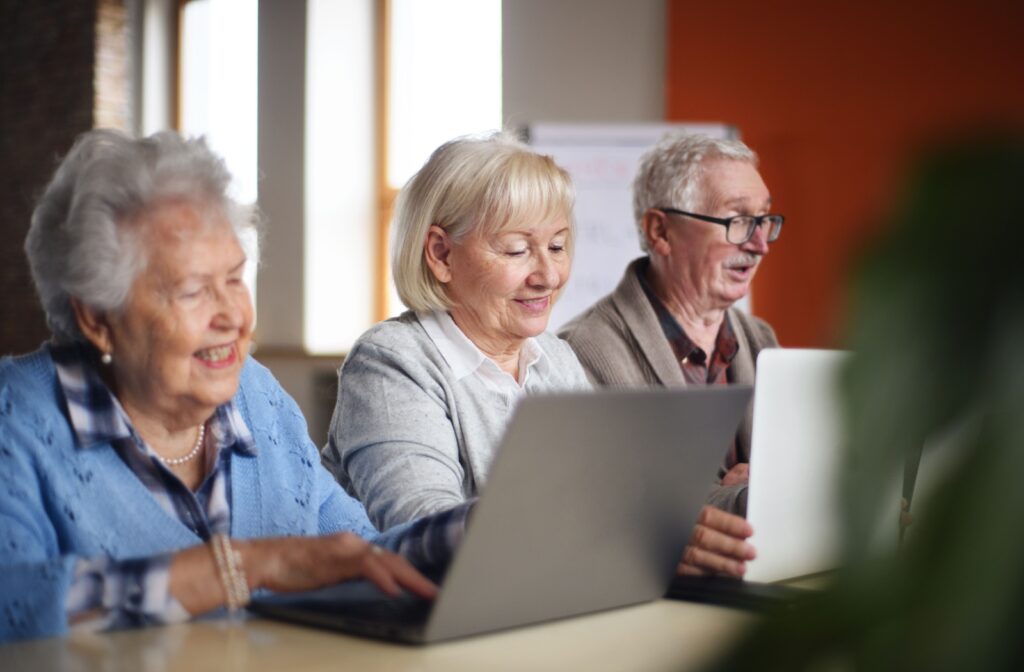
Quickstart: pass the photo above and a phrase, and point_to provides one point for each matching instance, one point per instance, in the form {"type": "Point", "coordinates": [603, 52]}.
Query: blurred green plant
{"type": "Point", "coordinates": [938, 325]}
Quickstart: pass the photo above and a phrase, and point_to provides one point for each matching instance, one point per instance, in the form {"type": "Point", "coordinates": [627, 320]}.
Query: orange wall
{"type": "Point", "coordinates": [836, 99]}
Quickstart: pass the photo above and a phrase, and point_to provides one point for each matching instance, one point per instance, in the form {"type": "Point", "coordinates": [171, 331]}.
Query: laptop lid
{"type": "Point", "coordinates": [588, 506]}
{"type": "Point", "coordinates": [797, 451]}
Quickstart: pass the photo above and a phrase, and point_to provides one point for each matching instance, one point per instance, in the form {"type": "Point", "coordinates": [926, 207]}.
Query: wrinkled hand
{"type": "Point", "coordinates": [302, 563]}
{"type": "Point", "coordinates": [738, 475]}
{"type": "Point", "coordinates": [718, 545]}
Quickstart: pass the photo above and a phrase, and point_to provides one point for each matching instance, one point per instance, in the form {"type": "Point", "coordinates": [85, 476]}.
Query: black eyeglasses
{"type": "Point", "coordinates": [739, 229]}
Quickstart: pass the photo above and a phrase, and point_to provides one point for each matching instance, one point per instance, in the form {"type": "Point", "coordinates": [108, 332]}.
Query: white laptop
{"type": "Point", "coordinates": [797, 451]}
{"type": "Point", "coordinates": [588, 506]}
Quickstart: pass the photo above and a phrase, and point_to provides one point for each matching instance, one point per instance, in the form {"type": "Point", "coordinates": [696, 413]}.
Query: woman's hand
{"type": "Point", "coordinates": [718, 545]}
{"type": "Point", "coordinates": [303, 563]}
{"type": "Point", "coordinates": [289, 564]}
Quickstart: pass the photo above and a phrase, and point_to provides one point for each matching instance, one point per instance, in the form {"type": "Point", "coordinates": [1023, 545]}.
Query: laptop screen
{"type": "Point", "coordinates": [797, 452]}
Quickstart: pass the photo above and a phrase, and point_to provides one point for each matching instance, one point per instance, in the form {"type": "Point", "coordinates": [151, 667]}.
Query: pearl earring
{"type": "Point", "coordinates": [106, 358]}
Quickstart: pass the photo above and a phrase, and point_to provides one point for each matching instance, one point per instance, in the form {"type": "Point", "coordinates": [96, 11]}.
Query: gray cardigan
{"type": "Point", "coordinates": [619, 341]}
{"type": "Point", "coordinates": [408, 438]}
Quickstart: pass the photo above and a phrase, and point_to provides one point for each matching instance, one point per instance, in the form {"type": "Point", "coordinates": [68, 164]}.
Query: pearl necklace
{"type": "Point", "coordinates": [175, 461]}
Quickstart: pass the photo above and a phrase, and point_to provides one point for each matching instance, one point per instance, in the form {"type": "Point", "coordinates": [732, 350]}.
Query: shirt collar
{"type": "Point", "coordinates": [97, 416]}
{"type": "Point", "coordinates": [533, 357]}
{"type": "Point", "coordinates": [726, 345]}
{"type": "Point", "coordinates": [465, 358]}
{"type": "Point", "coordinates": [94, 413]}
{"type": "Point", "coordinates": [229, 430]}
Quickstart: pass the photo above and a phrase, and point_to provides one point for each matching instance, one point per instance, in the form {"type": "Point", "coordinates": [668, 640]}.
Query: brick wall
{"type": "Point", "coordinates": [48, 86]}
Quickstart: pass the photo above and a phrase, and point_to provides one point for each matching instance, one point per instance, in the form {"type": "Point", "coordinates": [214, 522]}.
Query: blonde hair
{"type": "Point", "coordinates": [484, 184]}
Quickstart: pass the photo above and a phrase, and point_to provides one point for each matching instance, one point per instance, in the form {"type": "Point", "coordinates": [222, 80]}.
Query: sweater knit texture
{"type": "Point", "coordinates": [409, 438]}
{"type": "Point", "coordinates": [60, 501]}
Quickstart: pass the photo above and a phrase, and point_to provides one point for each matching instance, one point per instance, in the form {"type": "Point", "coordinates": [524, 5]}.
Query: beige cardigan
{"type": "Point", "coordinates": [619, 341]}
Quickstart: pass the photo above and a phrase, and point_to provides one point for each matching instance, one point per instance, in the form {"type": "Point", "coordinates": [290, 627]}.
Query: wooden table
{"type": "Point", "coordinates": [662, 635]}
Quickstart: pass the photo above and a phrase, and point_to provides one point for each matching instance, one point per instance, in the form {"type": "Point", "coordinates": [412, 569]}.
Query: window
{"type": "Point", "coordinates": [340, 257]}
{"type": "Point", "coordinates": [218, 83]}
{"type": "Point", "coordinates": [217, 90]}
{"type": "Point", "coordinates": [386, 81]}
{"type": "Point", "coordinates": [443, 79]}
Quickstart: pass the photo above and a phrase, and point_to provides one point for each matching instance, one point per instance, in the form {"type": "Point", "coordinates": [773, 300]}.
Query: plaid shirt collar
{"type": "Point", "coordinates": [726, 345]}
{"type": "Point", "coordinates": [97, 416]}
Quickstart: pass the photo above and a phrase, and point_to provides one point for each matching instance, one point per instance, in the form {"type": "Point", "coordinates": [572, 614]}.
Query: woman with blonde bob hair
{"type": "Point", "coordinates": [468, 185]}
{"type": "Point", "coordinates": [482, 248]}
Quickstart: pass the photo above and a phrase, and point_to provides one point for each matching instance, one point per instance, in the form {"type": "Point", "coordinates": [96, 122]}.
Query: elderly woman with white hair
{"type": "Point", "coordinates": [151, 470]}
{"type": "Point", "coordinates": [483, 244]}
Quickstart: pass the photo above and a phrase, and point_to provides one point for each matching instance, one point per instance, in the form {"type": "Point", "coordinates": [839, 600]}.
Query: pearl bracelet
{"type": "Point", "coordinates": [232, 575]}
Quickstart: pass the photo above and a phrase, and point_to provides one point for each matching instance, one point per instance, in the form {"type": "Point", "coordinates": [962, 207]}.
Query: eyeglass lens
{"type": "Point", "coordinates": [741, 229]}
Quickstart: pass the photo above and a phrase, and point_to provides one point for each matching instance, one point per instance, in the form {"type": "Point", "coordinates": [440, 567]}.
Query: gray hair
{"type": "Point", "coordinates": [84, 240]}
{"type": "Point", "coordinates": [487, 183]}
{"type": "Point", "coordinates": [671, 173]}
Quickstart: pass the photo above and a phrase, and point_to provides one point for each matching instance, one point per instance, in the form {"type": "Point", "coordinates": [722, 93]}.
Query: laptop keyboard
{"type": "Point", "coordinates": [736, 593]}
{"type": "Point", "coordinates": [403, 610]}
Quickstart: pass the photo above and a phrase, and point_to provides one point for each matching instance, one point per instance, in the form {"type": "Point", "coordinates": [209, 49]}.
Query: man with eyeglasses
{"type": "Point", "coordinates": [704, 218]}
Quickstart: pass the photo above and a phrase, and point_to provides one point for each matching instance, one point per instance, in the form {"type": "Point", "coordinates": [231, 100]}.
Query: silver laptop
{"type": "Point", "coordinates": [797, 450]}
{"type": "Point", "coordinates": [589, 503]}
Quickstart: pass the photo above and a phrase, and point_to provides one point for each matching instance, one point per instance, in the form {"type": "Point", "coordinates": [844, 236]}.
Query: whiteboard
{"type": "Point", "coordinates": [602, 160]}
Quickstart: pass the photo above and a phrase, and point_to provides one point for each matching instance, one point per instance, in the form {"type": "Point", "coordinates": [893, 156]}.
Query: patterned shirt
{"type": "Point", "coordinates": [693, 361]}
{"type": "Point", "coordinates": [107, 593]}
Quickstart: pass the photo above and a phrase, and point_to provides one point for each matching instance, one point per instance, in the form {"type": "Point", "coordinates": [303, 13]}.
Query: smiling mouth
{"type": "Point", "coordinates": [538, 304]}
{"type": "Point", "coordinates": [220, 356]}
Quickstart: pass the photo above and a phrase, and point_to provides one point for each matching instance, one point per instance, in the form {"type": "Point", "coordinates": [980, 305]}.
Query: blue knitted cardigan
{"type": "Point", "coordinates": [60, 501]}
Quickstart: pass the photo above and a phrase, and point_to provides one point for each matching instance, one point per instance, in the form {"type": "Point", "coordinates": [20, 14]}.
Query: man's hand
{"type": "Point", "coordinates": [738, 475]}
{"type": "Point", "coordinates": [718, 545]}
